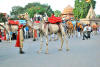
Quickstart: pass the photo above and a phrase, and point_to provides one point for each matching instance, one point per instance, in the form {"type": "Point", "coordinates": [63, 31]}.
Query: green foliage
{"type": "Point", "coordinates": [57, 13]}
{"type": "Point", "coordinates": [2, 18]}
{"type": "Point", "coordinates": [81, 8]}
{"type": "Point", "coordinates": [29, 5]}
{"type": "Point", "coordinates": [38, 9]}
{"type": "Point", "coordinates": [31, 8]}
{"type": "Point", "coordinates": [16, 10]}
{"type": "Point", "coordinates": [98, 16]}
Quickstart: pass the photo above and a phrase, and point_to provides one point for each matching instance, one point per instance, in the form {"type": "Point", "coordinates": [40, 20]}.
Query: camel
{"type": "Point", "coordinates": [46, 29]}
{"type": "Point", "coordinates": [69, 28]}
{"type": "Point", "coordinates": [78, 25]}
{"type": "Point", "coordinates": [7, 28]}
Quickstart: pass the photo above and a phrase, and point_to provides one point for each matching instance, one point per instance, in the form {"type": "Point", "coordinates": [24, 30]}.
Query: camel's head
{"type": "Point", "coordinates": [38, 21]}
{"type": "Point", "coordinates": [24, 16]}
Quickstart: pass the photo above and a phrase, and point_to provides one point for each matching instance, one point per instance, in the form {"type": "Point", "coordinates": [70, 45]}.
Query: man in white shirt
{"type": "Point", "coordinates": [89, 30]}
{"type": "Point", "coordinates": [85, 32]}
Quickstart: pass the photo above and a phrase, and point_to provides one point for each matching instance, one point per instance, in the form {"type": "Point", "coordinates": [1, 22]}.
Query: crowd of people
{"type": "Point", "coordinates": [88, 31]}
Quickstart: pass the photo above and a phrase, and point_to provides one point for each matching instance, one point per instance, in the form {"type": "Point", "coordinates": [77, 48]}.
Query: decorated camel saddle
{"type": "Point", "coordinates": [54, 20]}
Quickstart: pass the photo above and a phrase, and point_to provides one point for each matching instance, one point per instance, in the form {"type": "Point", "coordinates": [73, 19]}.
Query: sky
{"type": "Point", "coordinates": [6, 5]}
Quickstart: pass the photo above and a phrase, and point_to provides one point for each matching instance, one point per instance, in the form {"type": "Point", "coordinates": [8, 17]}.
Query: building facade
{"type": "Point", "coordinates": [67, 13]}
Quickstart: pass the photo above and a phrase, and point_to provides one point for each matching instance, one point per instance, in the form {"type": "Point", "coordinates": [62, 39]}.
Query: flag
{"type": "Point", "coordinates": [87, 0]}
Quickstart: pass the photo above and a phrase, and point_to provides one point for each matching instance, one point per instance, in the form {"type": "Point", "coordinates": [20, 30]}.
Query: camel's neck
{"type": "Point", "coordinates": [29, 22]}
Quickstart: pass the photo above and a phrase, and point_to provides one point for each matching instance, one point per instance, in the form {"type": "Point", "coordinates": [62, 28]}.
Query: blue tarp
{"type": "Point", "coordinates": [22, 22]}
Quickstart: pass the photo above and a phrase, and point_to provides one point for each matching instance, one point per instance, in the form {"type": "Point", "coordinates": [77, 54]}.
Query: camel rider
{"type": "Point", "coordinates": [19, 41]}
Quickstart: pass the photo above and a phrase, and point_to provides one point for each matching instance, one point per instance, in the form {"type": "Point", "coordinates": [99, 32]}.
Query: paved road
{"type": "Point", "coordinates": [82, 54]}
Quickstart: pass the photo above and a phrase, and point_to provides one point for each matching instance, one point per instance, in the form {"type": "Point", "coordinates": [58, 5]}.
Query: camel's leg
{"type": "Point", "coordinates": [41, 42]}
{"type": "Point", "coordinates": [46, 45]}
{"type": "Point", "coordinates": [67, 48]}
{"type": "Point", "coordinates": [60, 37]}
{"type": "Point", "coordinates": [46, 34]}
{"type": "Point", "coordinates": [68, 33]}
{"type": "Point", "coordinates": [72, 33]}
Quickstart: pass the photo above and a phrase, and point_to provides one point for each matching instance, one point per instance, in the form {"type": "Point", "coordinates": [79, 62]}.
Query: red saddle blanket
{"type": "Point", "coordinates": [54, 19]}
{"type": "Point", "coordinates": [36, 21]}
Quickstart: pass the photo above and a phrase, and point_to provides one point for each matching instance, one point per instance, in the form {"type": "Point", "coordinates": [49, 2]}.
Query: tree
{"type": "Point", "coordinates": [2, 18]}
{"type": "Point", "coordinates": [57, 13]}
{"type": "Point", "coordinates": [33, 8]}
{"type": "Point", "coordinates": [82, 7]}
{"type": "Point", "coordinates": [98, 16]}
{"type": "Point", "coordinates": [29, 5]}
{"type": "Point", "coordinates": [16, 10]}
